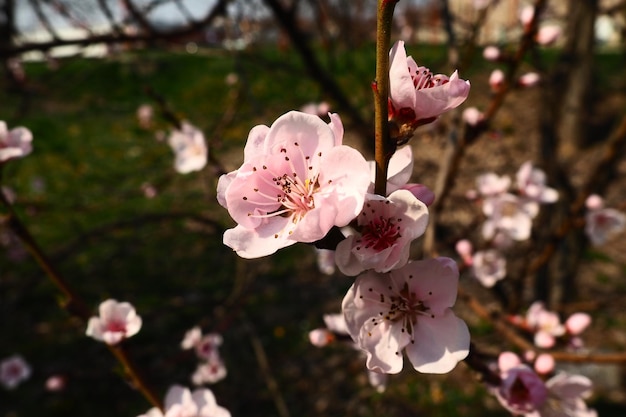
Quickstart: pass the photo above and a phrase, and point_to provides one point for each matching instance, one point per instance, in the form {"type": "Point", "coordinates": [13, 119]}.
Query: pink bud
{"type": "Point", "coordinates": [464, 249]}
{"type": "Point", "coordinates": [577, 323]}
{"type": "Point", "coordinates": [508, 360]}
{"type": "Point", "coordinates": [496, 79]}
{"type": "Point", "coordinates": [547, 35]}
{"type": "Point", "coordinates": [321, 337]}
{"type": "Point", "coordinates": [526, 15]}
{"type": "Point", "coordinates": [544, 363]}
{"type": "Point", "coordinates": [491, 53]}
{"type": "Point", "coordinates": [472, 116]}
{"type": "Point", "coordinates": [594, 202]}
{"type": "Point", "coordinates": [529, 79]}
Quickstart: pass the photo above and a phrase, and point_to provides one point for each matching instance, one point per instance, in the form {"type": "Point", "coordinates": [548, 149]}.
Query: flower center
{"type": "Point", "coordinates": [116, 326]}
{"type": "Point", "coordinates": [380, 233]}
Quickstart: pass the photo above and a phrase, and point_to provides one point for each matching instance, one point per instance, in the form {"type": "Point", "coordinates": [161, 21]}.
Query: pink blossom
{"type": "Point", "coordinates": [489, 267]}
{"type": "Point", "coordinates": [189, 148]}
{"type": "Point", "coordinates": [408, 309]}
{"type": "Point", "coordinates": [117, 321]}
{"type": "Point", "coordinates": [416, 96]}
{"type": "Point", "coordinates": [14, 370]}
{"type": "Point", "coordinates": [491, 53]}
{"type": "Point", "coordinates": [547, 35]}
{"type": "Point", "coordinates": [491, 184]}
{"type": "Point", "coordinates": [321, 337]}
{"type": "Point", "coordinates": [472, 116]}
{"type": "Point", "coordinates": [386, 228]}
{"type": "Point", "coordinates": [544, 363]}
{"type": "Point", "coordinates": [602, 224]}
{"type": "Point", "coordinates": [577, 323]}
{"type": "Point", "coordinates": [496, 80]}
{"type": "Point", "coordinates": [297, 182]}
{"type": "Point", "coordinates": [566, 395]}
{"type": "Point", "coordinates": [521, 390]}
{"type": "Point", "coordinates": [546, 325]}
{"type": "Point", "coordinates": [181, 402]}
{"type": "Point", "coordinates": [531, 183]}
{"type": "Point", "coordinates": [14, 143]}
{"type": "Point", "coordinates": [464, 248]}
{"type": "Point", "coordinates": [526, 14]}
{"type": "Point", "coordinates": [325, 261]}
{"type": "Point", "coordinates": [192, 338]}
{"type": "Point", "coordinates": [210, 371]}
{"type": "Point", "coordinates": [508, 215]}
{"type": "Point", "coordinates": [529, 79]}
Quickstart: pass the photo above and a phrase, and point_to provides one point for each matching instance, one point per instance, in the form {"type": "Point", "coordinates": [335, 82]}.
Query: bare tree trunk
{"type": "Point", "coordinates": [578, 56]}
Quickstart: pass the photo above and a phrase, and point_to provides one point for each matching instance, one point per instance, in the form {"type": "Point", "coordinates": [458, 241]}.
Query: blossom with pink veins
{"type": "Point", "coordinates": [13, 371]}
{"type": "Point", "coordinates": [508, 215]}
{"type": "Point", "coordinates": [181, 402]}
{"type": "Point", "coordinates": [297, 181]}
{"type": "Point", "coordinates": [602, 223]}
{"type": "Point", "coordinates": [489, 267]}
{"type": "Point", "coordinates": [408, 309]}
{"type": "Point", "coordinates": [416, 95]}
{"type": "Point", "coordinates": [190, 148]}
{"type": "Point", "coordinates": [116, 321]}
{"type": "Point", "coordinates": [386, 228]}
{"type": "Point", "coordinates": [14, 143]}
{"type": "Point", "coordinates": [531, 183]}
{"type": "Point", "coordinates": [546, 325]}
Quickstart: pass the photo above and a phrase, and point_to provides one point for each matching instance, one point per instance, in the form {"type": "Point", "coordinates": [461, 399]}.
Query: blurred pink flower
{"type": "Point", "coordinates": [492, 184]}
{"type": "Point", "coordinates": [472, 116]}
{"type": "Point", "coordinates": [116, 321]}
{"type": "Point", "coordinates": [602, 223]}
{"type": "Point", "coordinates": [181, 402]}
{"type": "Point", "coordinates": [529, 79]}
{"type": "Point", "coordinates": [416, 96]}
{"type": "Point", "coordinates": [189, 148]}
{"type": "Point", "coordinates": [496, 80]}
{"type": "Point", "coordinates": [408, 309]}
{"type": "Point", "coordinates": [546, 325]}
{"type": "Point", "coordinates": [464, 248]}
{"type": "Point", "coordinates": [547, 35]}
{"type": "Point", "coordinates": [55, 383]}
{"type": "Point", "coordinates": [531, 183]}
{"type": "Point", "coordinates": [577, 323]}
{"type": "Point", "coordinates": [145, 113]}
{"type": "Point", "coordinates": [321, 337]}
{"type": "Point", "coordinates": [210, 371]}
{"type": "Point", "coordinates": [297, 182]}
{"type": "Point", "coordinates": [488, 267]}
{"type": "Point", "coordinates": [544, 363]}
{"type": "Point", "coordinates": [521, 391]}
{"type": "Point", "coordinates": [508, 215]}
{"type": "Point", "coordinates": [491, 53]}
{"type": "Point", "coordinates": [192, 338]}
{"type": "Point", "coordinates": [14, 143]}
{"type": "Point", "coordinates": [13, 371]}
{"type": "Point", "coordinates": [318, 109]}
{"type": "Point", "coordinates": [386, 228]}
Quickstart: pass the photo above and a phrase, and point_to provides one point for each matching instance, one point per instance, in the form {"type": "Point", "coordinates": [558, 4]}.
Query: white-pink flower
{"type": "Point", "coordinates": [14, 143]}
{"type": "Point", "coordinates": [529, 79]}
{"type": "Point", "coordinates": [408, 309]}
{"type": "Point", "coordinates": [491, 53]}
{"type": "Point", "coordinates": [210, 371]}
{"type": "Point", "coordinates": [297, 182]}
{"type": "Point", "coordinates": [189, 148]}
{"type": "Point", "coordinates": [531, 183]}
{"type": "Point", "coordinates": [472, 116]}
{"type": "Point", "coordinates": [489, 267]}
{"type": "Point", "coordinates": [416, 95]}
{"type": "Point", "coordinates": [602, 223]}
{"type": "Point", "coordinates": [13, 371]}
{"type": "Point", "coordinates": [492, 184]}
{"type": "Point", "coordinates": [547, 35]}
{"type": "Point", "coordinates": [577, 323]}
{"type": "Point", "coordinates": [116, 321]}
{"type": "Point", "coordinates": [386, 228]}
{"type": "Point", "coordinates": [496, 80]}
{"type": "Point", "coordinates": [181, 402]}
{"type": "Point", "coordinates": [546, 325]}
{"type": "Point", "coordinates": [508, 215]}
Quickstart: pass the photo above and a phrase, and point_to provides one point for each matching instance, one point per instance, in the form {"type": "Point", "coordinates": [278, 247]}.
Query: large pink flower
{"type": "Point", "coordinates": [408, 309]}
{"type": "Point", "coordinates": [416, 96]}
{"type": "Point", "coordinates": [14, 143]}
{"type": "Point", "coordinates": [297, 182]}
{"type": "Point", "coordinates": [116, 321]}
{"type": "Point", "coordinates": [386, 228]}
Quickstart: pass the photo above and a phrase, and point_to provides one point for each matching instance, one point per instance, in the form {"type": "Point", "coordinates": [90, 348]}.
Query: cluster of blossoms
{"type": "Point", "coordinates": [298, 181]}
{"type": "Point", "coordinates": [546, 326]}
{"type": "Point", "coordinates": [181, 402]}
{"type": "Point", "coordinates": [211, 368]}
{"type": "Point", "coordinates": [509, 217]}
{"type": "Point", "coordinates": [523, 391]}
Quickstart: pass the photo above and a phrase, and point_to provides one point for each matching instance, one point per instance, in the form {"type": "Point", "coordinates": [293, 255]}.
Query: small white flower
{"type": "Point", "coordinates": [117, 321]}
{"type": "Point", "coordinates": [13, 370]}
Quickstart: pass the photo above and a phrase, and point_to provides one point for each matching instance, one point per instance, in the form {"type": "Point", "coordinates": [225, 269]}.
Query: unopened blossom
{"type": "Point", "coordinates": [496, 80]}
{"type": "Point", "coordinates": [577, 323]}
{"type": "Point", "coordinates": [386, 228]}
{"type": "Point", "coordinates": [544, 363]}
{"type": "Point", "coordinates": [531, 183]}
{"type": "Point", "coordinates": [210, 371]}
{"type": "Point", "coordinates": [472, 116]}
{"type": "Point", "coordinates": [145, 115]}
{"type": "Point", "coordinates": [117, 321]}
{"type": "Point", "coordinates": [508, 215]}
{"type": "Point", "coordinates": [547, 35]}
{"type": "Point", "coordinates": [488, 267]}
{"type": "Point", "coordinates": [529, 79]}
{"type": "Point", "coordinates": [13, 371]}
{"type": "Point", "coordinates": [321, 337]}
{"type": "Point", "coordinates": [297, 181]}
{"type": "Point", "coordinates": [416, 95]}
{"type": "Point", "coordinates": [190, 148]}
{"type": "Point", "coordinates": [408, 309]}
{"type": "Point", "coordinates": [55, 383]}
{"type": "Point", "coordinates": [491, 53]}
{"type": "Point", "coordinates": [464, 248]}
{"type": "Point", "coordinates": [545, 324]}
{"type": "Point", "coordinates": [181, 402]}
{"type": "Point", "coordinates": [602, 223]}
{"type": "Point", "coordinates": [14, 143]}
{"type": "Point", "coordinates": [526, 14]}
